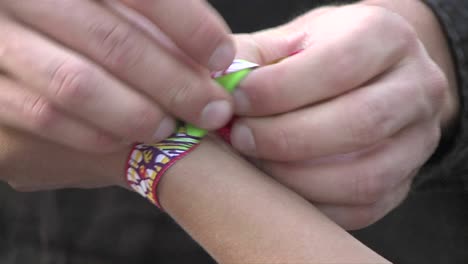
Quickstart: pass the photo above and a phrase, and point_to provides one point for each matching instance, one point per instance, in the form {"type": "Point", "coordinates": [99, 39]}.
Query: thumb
{"type": "Point", "coordinates": [268, 46]}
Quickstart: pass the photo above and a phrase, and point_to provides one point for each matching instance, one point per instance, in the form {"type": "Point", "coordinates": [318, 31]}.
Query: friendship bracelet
{"type": "Point", "coordinates": [147, 163]}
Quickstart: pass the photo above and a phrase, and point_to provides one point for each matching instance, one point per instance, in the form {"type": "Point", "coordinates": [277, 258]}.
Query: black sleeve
{"type": "Point", "coordinates": [245, 16]}
{"type": "Point", "coordinates": [451, 159]}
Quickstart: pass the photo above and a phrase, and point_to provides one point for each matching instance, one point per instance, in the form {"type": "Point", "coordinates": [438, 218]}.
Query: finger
{"type": "Point", "coordinates": [21, 109]}
{"type": "Point", "coordinates": [202, 33]}
{"type": "Point", "coordinates": [267, 46]}
{"type": "Point", "coordinates": [358, 217]}
{"type": "Point", "coordinates": [124, 50]}
{"type": "Point", "coordinates": [76, 85]}
{"type": "Point", "coordinates": [142, 23]}
{"type": "Point", "coordinates": [360, 178]}
{"type": "Point", "coordinates": [350, 122]}
{"type": "Point", "coordinates": [331, 64]}
{"type": "Point", "coordinates": [34, 164]}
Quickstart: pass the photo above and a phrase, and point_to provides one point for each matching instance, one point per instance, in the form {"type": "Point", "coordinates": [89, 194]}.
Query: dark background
{"type": "Point", "coordinates": [114, 226]}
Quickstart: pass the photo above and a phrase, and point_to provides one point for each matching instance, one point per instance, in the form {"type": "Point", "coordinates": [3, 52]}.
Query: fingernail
{"type": "Point", "coordinates": [222, 56]}
{"type": "Point", "coordinates": [296, 52]}
{"type": "Point", "coordinates": [241, 102]}
{"type": "Point", "coordinates": [165, 129]}
{"type": "Point", "coordinates": [216, 114]}
{"type": "Point", "coordinates": [243, 140]}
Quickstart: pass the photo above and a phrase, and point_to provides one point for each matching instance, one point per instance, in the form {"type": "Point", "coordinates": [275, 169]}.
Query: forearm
{"type": "Point", "coordinates": [235, 212]}
{"type": "Point", "coordinates": [240, 215]}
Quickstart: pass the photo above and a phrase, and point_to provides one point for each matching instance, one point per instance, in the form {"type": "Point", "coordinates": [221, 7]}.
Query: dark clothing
{"type": "Point", "coordinates": [115, 226]}
{"type": "Point", "coordinates": [453, 16]}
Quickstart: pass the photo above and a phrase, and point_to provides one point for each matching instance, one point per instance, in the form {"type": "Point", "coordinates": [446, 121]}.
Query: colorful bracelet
{"type": "Point", "coordinates": [147, 163]}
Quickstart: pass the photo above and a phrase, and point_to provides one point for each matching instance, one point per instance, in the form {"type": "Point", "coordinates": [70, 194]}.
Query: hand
{"type": "Point", "coordinates": [350, 120]}
{"type": "Point", "coordinates": [84, 74]}
{"type": "Point", "coordinates": [29, 163]}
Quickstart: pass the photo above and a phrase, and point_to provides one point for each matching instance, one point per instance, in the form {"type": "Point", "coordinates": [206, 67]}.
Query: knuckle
{"type": "Point", "coordinates": [281, 142]}
{"type": "Point", "coordinates": [42, 112]}
{"type": "Point", "coordinates": [391, 26]}
{"type": "Point", "coordinates": [71, 83]}
{"type": "Point", "coordinates": [369, 185]}
{"type": "Point", "coordinates": [371, 17]}
{"type": "Point", "coordinates": [371, 122]}
{"type": "Point", "coordinates": [431, 90]}
{"type": "Point", "coordinates": [362, 217]}
{"type": "Point", "coordinates": [406, 36]}
{"type": "Point", "coordinates": [120, 45]}
{"type": "Point", "coordinates": [402, 34]}
{"type": "Point", "coordinates": [203, 32]}
{"type": "Point", "coordinates": [181, 91]}
{"type": "Point", "coordinates": [437, 85]}
{"type": "Point", "coordinates": [141, 126]}
{"type": "Point", "coordinates": [433, 139]}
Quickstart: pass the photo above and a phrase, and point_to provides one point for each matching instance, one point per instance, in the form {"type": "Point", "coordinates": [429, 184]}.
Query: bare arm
{"type": "Point", "coordinates": [234, 211]}
{"type": "Point", "coordinates": [239, 215]}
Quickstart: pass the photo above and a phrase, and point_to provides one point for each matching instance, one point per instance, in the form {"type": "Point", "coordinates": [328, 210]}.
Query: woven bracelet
{"type": "Point", "coordinates": [147, 163]}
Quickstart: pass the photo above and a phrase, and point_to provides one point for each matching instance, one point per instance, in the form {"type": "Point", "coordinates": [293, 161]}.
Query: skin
{"type": "Point", "coordinates": [243, 216]}
{"type": "Point", "coordinates": [357, 189]}
{"type": "Point", "coordinates": [353, 189]}
{"type": "Point", "coordinates": [348, 122]}
{"type": "Point", "coordinates": [238, 216]}
{"type": "Point", "coordinates": [83, 74]}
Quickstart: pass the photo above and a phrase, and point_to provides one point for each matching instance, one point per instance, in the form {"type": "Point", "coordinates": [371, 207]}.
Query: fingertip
{"type": "Point", "coordinates": [258, 94]}
{"type": "Point", "coordinates": [166, 127]}
{"type": "Point", "coordinates": [241, 101]}
{"type": "Point", "coordinates": [216, 114]}
{"type": "Point", "coordinates": [222, 56]}
{"type": "Point", "coordinates": [243, 140]}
